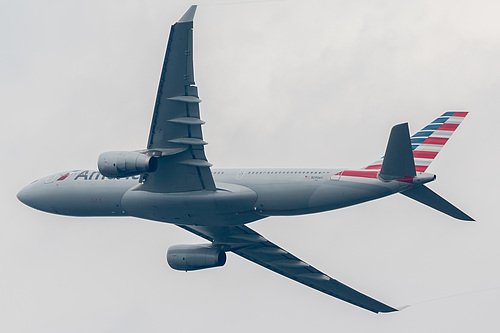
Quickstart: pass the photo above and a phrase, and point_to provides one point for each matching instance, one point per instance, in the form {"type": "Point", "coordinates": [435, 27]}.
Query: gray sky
{"type": "Point", "coordinates": [283, 83]}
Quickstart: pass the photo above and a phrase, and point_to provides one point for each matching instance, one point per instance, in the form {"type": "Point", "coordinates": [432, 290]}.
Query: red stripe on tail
{"type": "Point", "coordinates": [420, 168]}
{"type": "Point", "coordinates": [435, 141]}
{"type": "Point", "coordinates": [375, 166]}
{"type": "Point", "coordinates": [424, 154]}
{"type": "Point", "coordinates": [447, 127]}
{"type": "Point", "coordinates": [364, 174]}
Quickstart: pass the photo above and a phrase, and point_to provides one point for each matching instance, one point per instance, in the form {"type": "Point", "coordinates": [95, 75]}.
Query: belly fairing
{"type": "Point", "coordinates": [229, 205]}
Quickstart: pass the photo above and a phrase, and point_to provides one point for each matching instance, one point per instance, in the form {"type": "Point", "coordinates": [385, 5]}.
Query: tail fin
{"type": "Point", "coordinates": [427, 142]}
{"type": "Point", "coordinates": [404, 156]}
{"type": "Point", "coordinates": [430, 198]}
{"type": "Point", "coordinates": [398, 159]}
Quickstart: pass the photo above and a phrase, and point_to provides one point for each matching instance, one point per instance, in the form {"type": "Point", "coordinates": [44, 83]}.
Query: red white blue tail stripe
{"type": "Point", "coordinates": [427, 142]}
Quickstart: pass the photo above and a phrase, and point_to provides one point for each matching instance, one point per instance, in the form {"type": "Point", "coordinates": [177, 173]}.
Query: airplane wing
{"type": "Point", "coordinates": [252, 246]}
{"type": "Point", "coordinates": [175, 135]}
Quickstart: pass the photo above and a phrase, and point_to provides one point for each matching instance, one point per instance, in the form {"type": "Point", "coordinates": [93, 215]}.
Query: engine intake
{"type": "Point", "coordinates": [194, 257]}
{"type": "Point", "coordinates": [116, 164]}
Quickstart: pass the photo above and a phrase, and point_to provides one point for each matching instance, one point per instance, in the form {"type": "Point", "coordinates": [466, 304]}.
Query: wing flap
{"type": "Point", "coordinates": [252, 246]}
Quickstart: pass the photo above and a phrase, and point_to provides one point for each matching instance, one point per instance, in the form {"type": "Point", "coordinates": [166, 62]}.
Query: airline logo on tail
{"type": "Point", "coordinates": [405, 156]}
{"type": "Point", "coordinates": [427, 142]}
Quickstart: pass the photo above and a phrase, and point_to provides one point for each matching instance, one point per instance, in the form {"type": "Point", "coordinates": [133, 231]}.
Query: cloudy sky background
{"type": "Point", "coordinates": [283, 83]}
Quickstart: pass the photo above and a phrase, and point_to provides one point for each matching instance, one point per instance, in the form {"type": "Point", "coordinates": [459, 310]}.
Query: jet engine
{"type": "Point", "coordinates": [116, 164]}
{"type": "Point", "coordinates": [193, 257]}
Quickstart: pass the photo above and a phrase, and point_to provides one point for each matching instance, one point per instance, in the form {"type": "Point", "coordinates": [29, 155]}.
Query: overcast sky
{"type": "Point", "coordinates": [283, 84]}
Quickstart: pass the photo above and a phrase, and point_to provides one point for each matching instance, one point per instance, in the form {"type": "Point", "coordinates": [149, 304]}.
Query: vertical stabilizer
{"type": "Point", "coordinates": [429, 141]}
{"type": "Point", "coordinates": [398, 159]}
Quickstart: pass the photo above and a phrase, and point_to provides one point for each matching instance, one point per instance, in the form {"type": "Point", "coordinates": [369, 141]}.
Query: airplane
{"type": "Point", "coordinates": [172, 181]}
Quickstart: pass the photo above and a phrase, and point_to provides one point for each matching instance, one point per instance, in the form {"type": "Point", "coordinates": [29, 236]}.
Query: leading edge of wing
{"type": "Point", "coordinates": [175, 136]}
{"type": "Point", "coordinates": [252, 246]}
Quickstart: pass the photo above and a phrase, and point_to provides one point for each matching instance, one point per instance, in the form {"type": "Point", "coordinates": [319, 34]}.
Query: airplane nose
{"type": "Point", "coordinates": [28, 195]}
{"type": "Point", "coordinates": [24, 196]}
{"type": "Point", "coordinates": [36, 196]}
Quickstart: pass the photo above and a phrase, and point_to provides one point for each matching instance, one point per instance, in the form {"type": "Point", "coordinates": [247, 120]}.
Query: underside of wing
{"type": "Point", "coordinates": [252, 246]}
{"type": "Point", "coordinates": [176, 135]}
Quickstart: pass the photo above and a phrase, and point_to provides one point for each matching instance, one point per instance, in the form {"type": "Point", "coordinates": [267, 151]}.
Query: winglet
{"type": "Point", "coordinates": [188, 15]}
{"type": "Point", "coordinates": [401, 308]}
{"type": "Point", "coordinates": [388, 309]}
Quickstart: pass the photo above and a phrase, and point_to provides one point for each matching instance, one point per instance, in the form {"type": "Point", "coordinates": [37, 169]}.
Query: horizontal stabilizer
{"type": "Point", "coordinates": [430, 198]}
{"type": "Point", "coordinates": [398, 160]}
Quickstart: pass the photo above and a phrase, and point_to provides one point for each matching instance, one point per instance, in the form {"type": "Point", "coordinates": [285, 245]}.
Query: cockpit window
{"type": "Point", "coordinates": [50, 179]}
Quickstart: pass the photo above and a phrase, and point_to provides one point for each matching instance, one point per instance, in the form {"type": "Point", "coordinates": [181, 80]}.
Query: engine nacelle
{"type": "Point", "coordinates": [193, 257]}
{"type": "Point", "coordinates": [116, 164]}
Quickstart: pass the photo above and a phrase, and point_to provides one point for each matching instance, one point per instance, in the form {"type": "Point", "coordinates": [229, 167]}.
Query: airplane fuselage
{"type": "Point", "coordinates": [172, 181]}
{"type": "Point", "coordinates": [242, 195]}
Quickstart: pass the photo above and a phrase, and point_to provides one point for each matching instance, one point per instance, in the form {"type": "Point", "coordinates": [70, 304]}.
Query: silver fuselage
{"type": "Point", "coordinates": [242, 195]}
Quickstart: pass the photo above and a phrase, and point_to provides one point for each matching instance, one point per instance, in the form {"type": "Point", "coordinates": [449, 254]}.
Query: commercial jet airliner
{"type": "Point", "coordinates": [172, 181]}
